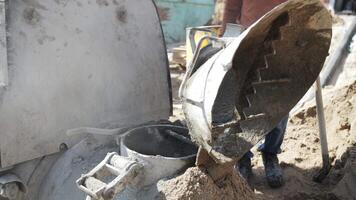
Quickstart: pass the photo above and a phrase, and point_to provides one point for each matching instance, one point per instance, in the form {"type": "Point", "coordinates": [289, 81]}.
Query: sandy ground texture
{"type": "Point", "coordinates": [195, 184]}
{"type": "Point", "coordinates": [301, 156]}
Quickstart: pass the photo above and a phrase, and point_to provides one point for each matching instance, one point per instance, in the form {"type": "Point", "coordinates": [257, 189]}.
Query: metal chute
{"type": "Point", "coordinates": [245, 89]}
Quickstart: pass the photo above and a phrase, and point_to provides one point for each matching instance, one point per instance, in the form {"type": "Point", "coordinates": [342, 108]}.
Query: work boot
{"type": "Point", "coordinates": [273, 170]}
{"type": "Point", "coordinates": [245, 168]}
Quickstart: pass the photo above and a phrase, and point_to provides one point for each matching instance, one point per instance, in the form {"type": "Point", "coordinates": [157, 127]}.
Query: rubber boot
{"type": "Point", "coordinates": [273, 170]}
{"type": "Point", "coordinates": [245, 168]}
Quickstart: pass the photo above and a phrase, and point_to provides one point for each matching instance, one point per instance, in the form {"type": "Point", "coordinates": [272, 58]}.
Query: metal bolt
{"type": "Point", "coordinates": [63, 147]}
{"type": "Point", "coordinates": [109, 194]}
{"type": "Point", "coordinates": [2, 191]}
{"type": "Point", "coordinates": [10, 190]}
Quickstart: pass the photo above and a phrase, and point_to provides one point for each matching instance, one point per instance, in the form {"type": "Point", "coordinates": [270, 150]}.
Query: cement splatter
{"type": "Point", "coordinates": [31, 16]}
{"type": "Point", "coordinates": [121, 14]}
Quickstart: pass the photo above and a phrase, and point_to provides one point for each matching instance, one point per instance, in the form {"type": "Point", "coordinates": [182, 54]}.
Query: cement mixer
{"type": "Point", "coordinates": [71, 64]}
{"type": "Point", "coordinates": [85, 94]}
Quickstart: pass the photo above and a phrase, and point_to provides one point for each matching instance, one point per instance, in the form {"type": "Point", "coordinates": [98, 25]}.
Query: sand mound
{"type": "Point", "coordinates": [195, 184]}
{"type": "Point", "coordinates": [301, 156]}
{"type": "Point", "coordinates": [340, 113]}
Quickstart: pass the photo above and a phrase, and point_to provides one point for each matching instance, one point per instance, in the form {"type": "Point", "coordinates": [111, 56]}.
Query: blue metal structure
{"type": "Point", "coordinates": [177, 15]}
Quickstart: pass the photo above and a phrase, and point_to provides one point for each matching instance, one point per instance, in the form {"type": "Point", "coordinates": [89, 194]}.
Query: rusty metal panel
{"type": "Point", "coordinates": [96, 63]}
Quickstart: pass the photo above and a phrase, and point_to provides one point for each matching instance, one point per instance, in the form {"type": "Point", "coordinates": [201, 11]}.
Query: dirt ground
{"type": "Point", "coordinates": [301, 156]}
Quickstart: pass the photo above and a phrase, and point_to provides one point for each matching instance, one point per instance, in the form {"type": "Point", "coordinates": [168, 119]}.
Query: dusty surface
{"type": "Point", "coordinates": [301, 157]}
{"type": "Point", "coordinates": [347, 70]}
{"type": "Point", "coordinates": [195, 184]}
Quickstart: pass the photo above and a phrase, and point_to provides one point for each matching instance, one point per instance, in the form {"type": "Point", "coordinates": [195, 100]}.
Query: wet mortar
{"type": "Point", "coordinates": [157, 142]}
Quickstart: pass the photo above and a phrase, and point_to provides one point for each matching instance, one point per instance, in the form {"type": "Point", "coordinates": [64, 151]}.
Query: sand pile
{"type": "Point", "coordinates": [301, 156]}
{"type": "Point", "coordinates": [195, 184]}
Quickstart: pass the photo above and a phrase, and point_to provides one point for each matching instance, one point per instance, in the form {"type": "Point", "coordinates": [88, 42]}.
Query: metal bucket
{"type": "Point", "coordinates": [161, 153]}
{"type": "Point", "coordinates": [148, 154]}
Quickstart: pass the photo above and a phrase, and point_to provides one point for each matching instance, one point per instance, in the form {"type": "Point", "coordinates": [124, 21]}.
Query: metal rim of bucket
{"type": "Point", "coordinates": [123, 141]}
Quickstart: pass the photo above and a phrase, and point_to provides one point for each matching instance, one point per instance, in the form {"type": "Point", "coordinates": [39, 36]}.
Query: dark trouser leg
{"type": "Point", "coordinates": [270, 149]}
{"type": "Point", "coordinates": [274, 139]}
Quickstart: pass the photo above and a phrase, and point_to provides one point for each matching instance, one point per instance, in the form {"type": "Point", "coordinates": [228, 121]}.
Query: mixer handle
{"type": "Point", "coordinates": [125, 170]}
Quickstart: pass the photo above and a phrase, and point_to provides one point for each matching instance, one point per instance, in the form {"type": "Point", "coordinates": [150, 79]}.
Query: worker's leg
{"type": "Point", "coordinates": [244, 166]}
{"type": "Point", "coordinates": [270, 149]}
{"type": "Point", "coordinates": [274, 139]}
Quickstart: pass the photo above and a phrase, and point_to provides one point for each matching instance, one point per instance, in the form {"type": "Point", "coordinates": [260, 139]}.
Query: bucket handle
{"type": "Point", "coordinates": [192, 32]}
{"type": "Point", "coordinates": [194, 60]}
